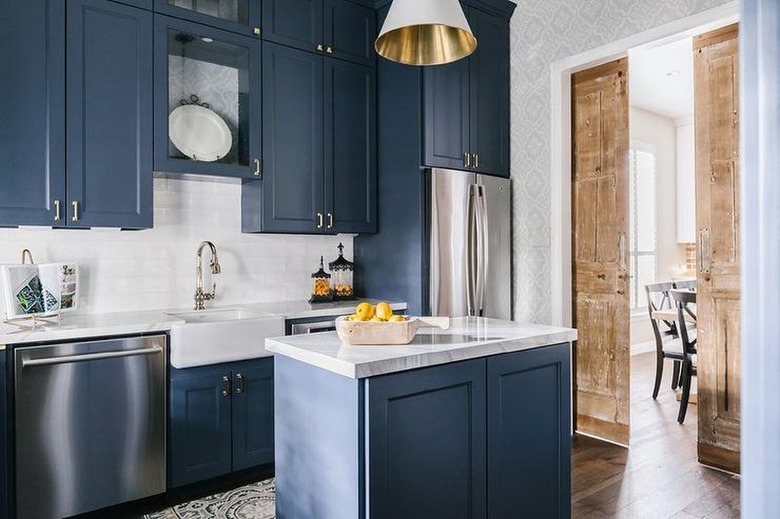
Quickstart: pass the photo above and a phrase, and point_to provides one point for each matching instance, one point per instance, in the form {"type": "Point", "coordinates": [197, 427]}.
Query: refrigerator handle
{"type": "Point", "coordinates": [472, 243]}
{"type": "Point", "coordinates": [484, 259]}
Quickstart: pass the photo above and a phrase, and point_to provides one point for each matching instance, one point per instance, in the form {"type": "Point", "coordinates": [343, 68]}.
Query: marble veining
{"type": "Point", "coordinates": [467, 338]}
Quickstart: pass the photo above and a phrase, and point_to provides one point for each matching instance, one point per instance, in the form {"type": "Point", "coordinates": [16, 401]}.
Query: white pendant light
{"type": "Point", "coordinates": [425, 32]}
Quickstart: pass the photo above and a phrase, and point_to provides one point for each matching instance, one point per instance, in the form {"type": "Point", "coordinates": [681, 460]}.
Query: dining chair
{"type": "Point", "coordinates": [667, 342]}
{"type": "Point", "coordinates": [684, 301]}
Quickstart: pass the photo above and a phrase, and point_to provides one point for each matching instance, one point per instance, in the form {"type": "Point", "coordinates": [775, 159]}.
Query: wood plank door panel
{"type": "Point", "coordinates": [716, 79]}
{"type": "Point", "coordinates": [599, 242]}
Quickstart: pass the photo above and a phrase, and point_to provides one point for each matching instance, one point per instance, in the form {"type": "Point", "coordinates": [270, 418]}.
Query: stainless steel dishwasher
{"type": "Point", "coordinates": [90, 425]}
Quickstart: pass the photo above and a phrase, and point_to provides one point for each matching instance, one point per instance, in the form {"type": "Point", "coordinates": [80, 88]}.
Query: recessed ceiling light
{"type": "Point", "coordinates": [209, 40]}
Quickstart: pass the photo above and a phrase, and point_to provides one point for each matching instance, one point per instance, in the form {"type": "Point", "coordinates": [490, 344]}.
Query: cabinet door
{"type": "Point", "coordinates": [200, 424]}
{"type": "Point", "coordinates": [109, 102]}
{"type": "Point", "coordinates": [350, 31]}
{"type": "Point", "coordinates": [529, 427]}
{"type": "Point", "coordinates": [253, 413]}
{"type": "Point", "coordinates": [297, 23]}
{"type": "Point", "coordinates": [426, 443]}
{"type": "Point", "coordinates": [447, 115]}
{"type": "Point", "coordinates": [197, 64]}
{"type": "Point", "coordinates": [32, 101]}
{"type": "Point", "coordinates": [143, 4]}
{"type": "Point", "coordinates": [489, 93]}
{"type": "Point", "coordinates": [3, 437]}
{"type": "Point", "coordinates": [350, 147]}
{"type": "Point", "coordinates": [241, 16]}
{"type": "Point", "coordinates": [293, 196]}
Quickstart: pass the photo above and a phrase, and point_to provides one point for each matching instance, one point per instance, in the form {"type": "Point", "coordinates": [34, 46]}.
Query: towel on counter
{"type": "Point", "coordinates": [39, 289]}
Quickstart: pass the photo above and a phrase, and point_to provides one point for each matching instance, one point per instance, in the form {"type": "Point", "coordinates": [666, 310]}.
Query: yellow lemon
{"type": "Point", "coordinates": [397, 319]}
{"type": "Point", "coordinates": [352, 317]}
{"type": "Point", "coordinates": [384, 311]}
{"type": "Point", "coordinates": [364, 311]}
{"type": "Point", "coordinates": [377, 319]}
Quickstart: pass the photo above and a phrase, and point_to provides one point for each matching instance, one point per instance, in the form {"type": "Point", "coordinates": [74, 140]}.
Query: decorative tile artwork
{"type": "Point", "coordinates": [39, 289]}
{"type": "Point", "coordinates": [542, 32]}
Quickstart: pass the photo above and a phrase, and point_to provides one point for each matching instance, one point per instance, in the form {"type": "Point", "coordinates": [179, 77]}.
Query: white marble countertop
{"type": "Point", "coordinates": [84, 326]}
{"type": "Point", "coordinates": [467, 338]}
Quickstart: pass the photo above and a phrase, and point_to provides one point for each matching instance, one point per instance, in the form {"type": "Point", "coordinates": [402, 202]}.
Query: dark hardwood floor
{"type": "Point", "coordinates": [658, 477]}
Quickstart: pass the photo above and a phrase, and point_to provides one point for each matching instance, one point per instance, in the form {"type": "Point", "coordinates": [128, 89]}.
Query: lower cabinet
{"type": "Point", "coordinates": [486, 438]}
{"type": "Point", "coordinates": [221, 419]}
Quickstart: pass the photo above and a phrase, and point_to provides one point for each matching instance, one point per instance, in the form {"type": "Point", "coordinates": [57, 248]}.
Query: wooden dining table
{"type": "Point", "coordinates": [670, 314]}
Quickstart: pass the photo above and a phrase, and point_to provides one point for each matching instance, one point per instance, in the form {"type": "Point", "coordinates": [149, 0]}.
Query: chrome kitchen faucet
{"type": "Point", "coordinates": [200, 296]}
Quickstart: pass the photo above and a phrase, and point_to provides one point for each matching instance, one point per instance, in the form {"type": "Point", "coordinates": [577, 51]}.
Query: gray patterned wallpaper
{"type": "Point", "coordinates": [542, 32]}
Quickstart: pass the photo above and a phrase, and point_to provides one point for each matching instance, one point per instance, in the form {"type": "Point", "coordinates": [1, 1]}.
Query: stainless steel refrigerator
{"type": "Point", "coordinates": [469, 244]}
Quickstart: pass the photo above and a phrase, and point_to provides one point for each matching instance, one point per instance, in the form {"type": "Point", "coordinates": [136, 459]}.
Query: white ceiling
{"type": "Point", "coordinates": [661, 79]}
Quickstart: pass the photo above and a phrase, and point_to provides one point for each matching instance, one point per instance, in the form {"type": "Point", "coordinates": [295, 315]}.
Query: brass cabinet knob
{"type": "Point", "coordinates": [319, 220]}
{"type": "Point", "coordinates": [329, 49]}
{"type": "Point", "coordinates": [258, 168]}
{"type": "Point", "coordinates": [256, 31]}
{"type": "Point", "coordinates": [330, 220]}
{"type": "Point", "coordinates": [320, 47]}
{"type": "Point", "coordinates": [75, 211]}
{"type": "Point", "coordinates": [57, 213]}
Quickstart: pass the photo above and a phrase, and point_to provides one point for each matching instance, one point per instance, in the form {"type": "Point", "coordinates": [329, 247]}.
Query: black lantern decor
{"type": "Point", "coordinates": [342, 277]}
{"type": "Point", "coordinates": [320, 289]}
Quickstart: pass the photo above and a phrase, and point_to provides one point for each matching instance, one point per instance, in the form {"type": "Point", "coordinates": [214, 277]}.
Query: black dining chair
{"type": "Point", "coordinates": [685, 301]}
{"type": "Point", "coordinates": [667, 342]}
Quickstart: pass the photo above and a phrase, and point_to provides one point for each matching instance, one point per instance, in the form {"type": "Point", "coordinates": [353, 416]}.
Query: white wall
{"type": "Point", "coordinates": [542, 32]}
{"type": "Point", "coordinates": [686, 180]}
{"type": "Point", "coordinates": [153, 269]}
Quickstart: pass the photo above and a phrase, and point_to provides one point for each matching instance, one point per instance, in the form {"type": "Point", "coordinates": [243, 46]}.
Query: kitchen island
{"type": "Point", "coordinates": [469, 422]}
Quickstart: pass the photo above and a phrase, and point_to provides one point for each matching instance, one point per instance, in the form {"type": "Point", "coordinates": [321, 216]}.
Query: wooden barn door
{"type": "Point", "coordinates": [600, 219]}
{"type": "Point", "coordinates": [716, 81]}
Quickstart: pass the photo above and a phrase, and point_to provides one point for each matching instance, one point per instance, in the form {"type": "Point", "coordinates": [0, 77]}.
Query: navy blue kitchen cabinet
{"type": "Point", "coordinates": [528, 431]}
{"type": "Point", "coordinates": [200, 424]}
{"type": "Point", "coordinates": [426, 443]}
{"type": "Point", "coordinates": [240, 16]}
{"type": "Point", "coordinates": [342, 29]}
{"type": "Point", "coordinates": [350, 149]}
{"type": "Point", "coordinates": [4, 446]}
{"type": "Point", "coordinates": [319, 146]}
{"type": "Point", "coordinates": [467, 103]}
{"type": "Point", "coordinates": [109, 106]}
{"type": "Point", "coordinates": [107, 178]}
{"type": "Point", "coordinates": [253, 413]}
{"type": "Point", "coordinates": [198, 64]}
{"type": "Point", "coordinates": [221, 419]}
{"type": "Point", "coordinates": [32, 135]}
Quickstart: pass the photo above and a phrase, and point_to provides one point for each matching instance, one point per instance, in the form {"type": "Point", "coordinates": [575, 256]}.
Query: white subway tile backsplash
{"type": "Point", "coordinates": [155, 268]}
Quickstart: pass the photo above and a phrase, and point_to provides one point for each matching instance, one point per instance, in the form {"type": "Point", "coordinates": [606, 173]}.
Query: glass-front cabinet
{"type": "Point", "coordinates": [241, 16]}
{"type": "Point", "coordinates": [207, 100]}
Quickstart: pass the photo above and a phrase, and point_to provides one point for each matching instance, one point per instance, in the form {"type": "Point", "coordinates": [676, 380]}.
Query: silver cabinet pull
{"type": "Point", "coordinates": [476, 160]}
{"type": "Point", "coordinates": [75, 210]}
{"type": "Point", "coordinates": [705, 254]}
{"type": "Point", "coordinates": [329, 49]}
{"type": "Point", "coordinates": [467, 159]}
{"type": "Point", "coordinates": [256, 31]}
{"type": "Point", "coordinates": [225, 385]}
{"type": "Point", "coordinates": [258, 168]}
{"type": "Point", "coordinates": [57, 213]}
{"type": "Point", "coordinates": [239, 383]}
{"type": "Point", "coordinates": [320, 222]}
{"type": "Point", "coordinates": [320, 47]}
{"type": "Point", "coordinates": [330, 220]}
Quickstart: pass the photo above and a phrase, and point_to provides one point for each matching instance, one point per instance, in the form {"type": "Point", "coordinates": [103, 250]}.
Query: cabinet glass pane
{"type": "Point", "coordinates": [214, 75]}
{"type": "Point", "coordinates": [230, 10]}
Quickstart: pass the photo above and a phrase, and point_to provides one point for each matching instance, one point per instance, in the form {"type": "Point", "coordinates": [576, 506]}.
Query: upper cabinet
{"type": "Point", "coordinates": [339, 28]}
{"type": "Point", "coordinates": [109, 107]}
{"type": "Point", "coordinates": [32, 135]}
{"type": "Point", "coordinates": [467, 103]}
{"type": "Point", "coordinates": [107, 178]}
{"type": "Point", "coordinates": [240, 16]}
{"type": "Point", "coordinates": [209, 79]}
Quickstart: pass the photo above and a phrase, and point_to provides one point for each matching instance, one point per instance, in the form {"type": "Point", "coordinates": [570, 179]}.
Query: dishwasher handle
{"type": "Point", "coordinates": [86, 357]}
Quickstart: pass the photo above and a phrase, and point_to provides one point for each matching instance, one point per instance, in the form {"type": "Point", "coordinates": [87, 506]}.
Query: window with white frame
{"type": "Point", "coordinates": [642, 221]}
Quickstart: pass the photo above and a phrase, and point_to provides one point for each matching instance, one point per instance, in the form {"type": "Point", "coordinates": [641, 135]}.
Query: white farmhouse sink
{"type": "Point", "coordinates": [221, 335]}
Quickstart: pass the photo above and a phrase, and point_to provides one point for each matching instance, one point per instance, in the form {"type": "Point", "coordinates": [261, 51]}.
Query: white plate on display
{"type": "Point", "coordinates": [199, 133]}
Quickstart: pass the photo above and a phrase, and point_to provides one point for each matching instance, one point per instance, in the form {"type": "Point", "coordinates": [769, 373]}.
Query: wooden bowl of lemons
{"type": "Point", "coordinates": [377, 325]}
